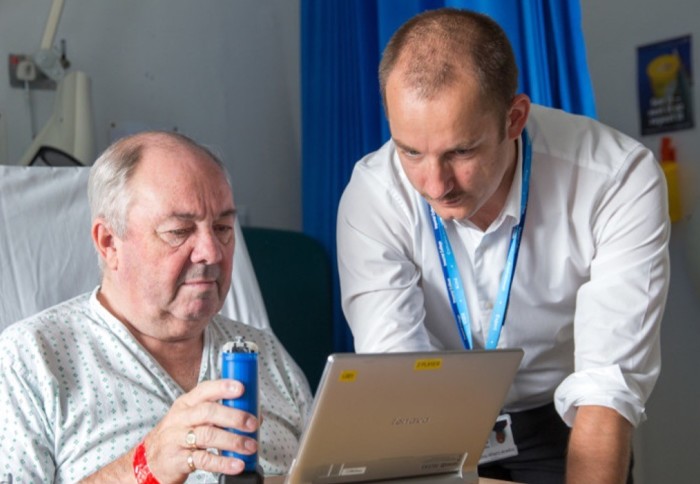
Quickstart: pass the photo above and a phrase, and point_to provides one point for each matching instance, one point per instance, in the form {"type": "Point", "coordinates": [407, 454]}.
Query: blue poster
{"type": "Point", "coordinates": [665, 83]}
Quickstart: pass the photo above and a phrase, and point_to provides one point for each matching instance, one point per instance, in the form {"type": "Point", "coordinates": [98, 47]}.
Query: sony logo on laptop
{"type": "Point", "coordinates": [410, 420]}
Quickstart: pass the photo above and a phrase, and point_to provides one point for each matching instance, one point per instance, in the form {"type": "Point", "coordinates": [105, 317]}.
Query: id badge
{"type": "Point", "coordinates": [501, 443]}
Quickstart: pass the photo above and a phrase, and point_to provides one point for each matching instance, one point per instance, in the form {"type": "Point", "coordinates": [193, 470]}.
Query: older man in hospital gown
{"type": "Point", "coordinates": [122, 383]}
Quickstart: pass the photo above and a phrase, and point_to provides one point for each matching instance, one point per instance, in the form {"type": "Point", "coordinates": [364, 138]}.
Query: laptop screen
{"type": "Point", "coordinates": [403, 415]}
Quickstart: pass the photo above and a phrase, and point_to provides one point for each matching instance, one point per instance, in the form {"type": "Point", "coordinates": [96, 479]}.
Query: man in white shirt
{"type": "Point", "coordinates": [122, 385]}
{"type": "Point", "coordinates": [476, 178]}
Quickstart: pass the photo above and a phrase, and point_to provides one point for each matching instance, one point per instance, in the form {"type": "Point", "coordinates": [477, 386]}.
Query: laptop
{"type": "Point", "coordinates": [421, 417]}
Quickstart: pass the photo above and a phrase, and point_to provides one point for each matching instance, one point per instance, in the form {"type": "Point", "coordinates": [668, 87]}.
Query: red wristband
{"type": "Point", "coordinates": [141, 470]}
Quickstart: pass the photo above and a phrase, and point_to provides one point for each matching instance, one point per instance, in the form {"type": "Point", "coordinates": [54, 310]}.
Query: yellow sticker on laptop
{"type": "Point", "coordinates": [428, 364]}
{"type": "Point", "coordinates": [348, 375]}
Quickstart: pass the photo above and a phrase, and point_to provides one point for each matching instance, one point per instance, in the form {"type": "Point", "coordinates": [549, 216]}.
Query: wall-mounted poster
{"type": "Point", "coordinates": [665, 86]}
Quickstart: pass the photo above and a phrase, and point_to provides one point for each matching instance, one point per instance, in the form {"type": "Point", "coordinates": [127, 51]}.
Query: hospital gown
{"type": "Point", "coordinates": [77, 391]}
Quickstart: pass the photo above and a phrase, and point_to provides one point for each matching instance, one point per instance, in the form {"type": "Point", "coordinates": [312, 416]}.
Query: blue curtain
{"type": "Point", "coordinates": [342, 116]}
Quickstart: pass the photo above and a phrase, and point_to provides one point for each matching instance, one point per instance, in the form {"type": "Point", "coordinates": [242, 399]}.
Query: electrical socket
{"type": "Point", "coordinates": [23, 69]}
{"type": "Point", "coordinates": [26, 70]}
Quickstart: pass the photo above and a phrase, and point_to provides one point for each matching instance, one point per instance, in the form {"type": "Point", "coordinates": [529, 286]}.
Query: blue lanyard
{"type": "Point", "coordinates": [453, 281]}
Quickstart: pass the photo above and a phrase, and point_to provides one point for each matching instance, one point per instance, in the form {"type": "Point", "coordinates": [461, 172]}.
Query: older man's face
{"type": "Point", "coordinates": [174, 264]}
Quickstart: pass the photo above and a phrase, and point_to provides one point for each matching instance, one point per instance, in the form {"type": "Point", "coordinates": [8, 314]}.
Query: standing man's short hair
{"type": "Point", "coordinates": [434, 49]}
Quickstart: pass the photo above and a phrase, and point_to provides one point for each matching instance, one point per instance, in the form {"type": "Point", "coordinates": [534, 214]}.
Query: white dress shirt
{"type": "Point", "coordinates": [590, 283]}
{"type": "Point", "coordinates": [77, 391]}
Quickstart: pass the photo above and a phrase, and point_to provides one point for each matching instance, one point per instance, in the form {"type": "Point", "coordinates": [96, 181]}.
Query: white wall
{"type": "Point", "coordinates": [667, 445]}
{"type": "Point", "coordinates": [225, 72]}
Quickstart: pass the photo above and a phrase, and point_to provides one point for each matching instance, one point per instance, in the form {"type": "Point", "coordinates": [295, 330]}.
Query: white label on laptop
{"type": "Point", "coordinates": [501, 443]}
{"type": "Point", "coordinates": [351, 471]}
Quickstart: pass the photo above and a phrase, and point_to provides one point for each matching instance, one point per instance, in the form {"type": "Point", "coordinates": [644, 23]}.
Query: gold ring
{"type": "Point", "coordinates": [191, 439]}
{"type": "Point", "coordinates": [190, 463]}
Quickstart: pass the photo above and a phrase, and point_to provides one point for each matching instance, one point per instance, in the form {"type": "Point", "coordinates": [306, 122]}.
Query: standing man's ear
{"type": "Point", "coordinates": [517, 115]}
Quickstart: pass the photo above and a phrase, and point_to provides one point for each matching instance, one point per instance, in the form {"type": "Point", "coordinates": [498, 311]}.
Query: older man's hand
{"type": "Point", "coordinates": [196, 421]}
{"type": "Point", "coordinates": [181, 441]}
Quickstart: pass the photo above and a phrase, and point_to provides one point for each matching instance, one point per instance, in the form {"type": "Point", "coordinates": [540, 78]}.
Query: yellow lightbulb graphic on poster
{"type": "Point", "coordinates": [663, 74]}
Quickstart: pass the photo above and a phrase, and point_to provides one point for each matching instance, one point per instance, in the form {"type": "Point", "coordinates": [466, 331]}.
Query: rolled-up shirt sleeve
{"type": "Point", "coordinates": [619, 310]}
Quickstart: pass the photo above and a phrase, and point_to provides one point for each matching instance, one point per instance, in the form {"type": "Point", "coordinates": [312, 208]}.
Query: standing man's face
{"type": "Point", "coordinates": [173, 268]}
{"type": "Point", "coordinates": [452, 148]}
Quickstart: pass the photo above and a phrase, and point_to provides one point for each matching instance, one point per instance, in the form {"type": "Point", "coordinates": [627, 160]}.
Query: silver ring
{"type": "Point", "coordinates": [191, 439]}
{"type": "Point", "coordinates": [190, 462]}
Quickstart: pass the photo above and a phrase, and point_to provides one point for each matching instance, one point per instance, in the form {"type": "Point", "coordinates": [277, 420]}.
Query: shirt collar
{"type": "Point", "coordinates": [512, 207]}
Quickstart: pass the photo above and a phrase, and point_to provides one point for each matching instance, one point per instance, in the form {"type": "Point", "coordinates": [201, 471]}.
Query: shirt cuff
{"type": "Point", "coordinates": [606, 387]}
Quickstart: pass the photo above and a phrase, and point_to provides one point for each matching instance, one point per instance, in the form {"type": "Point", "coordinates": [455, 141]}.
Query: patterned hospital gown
{"type": "Point", "coordinates": [77, 391]}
